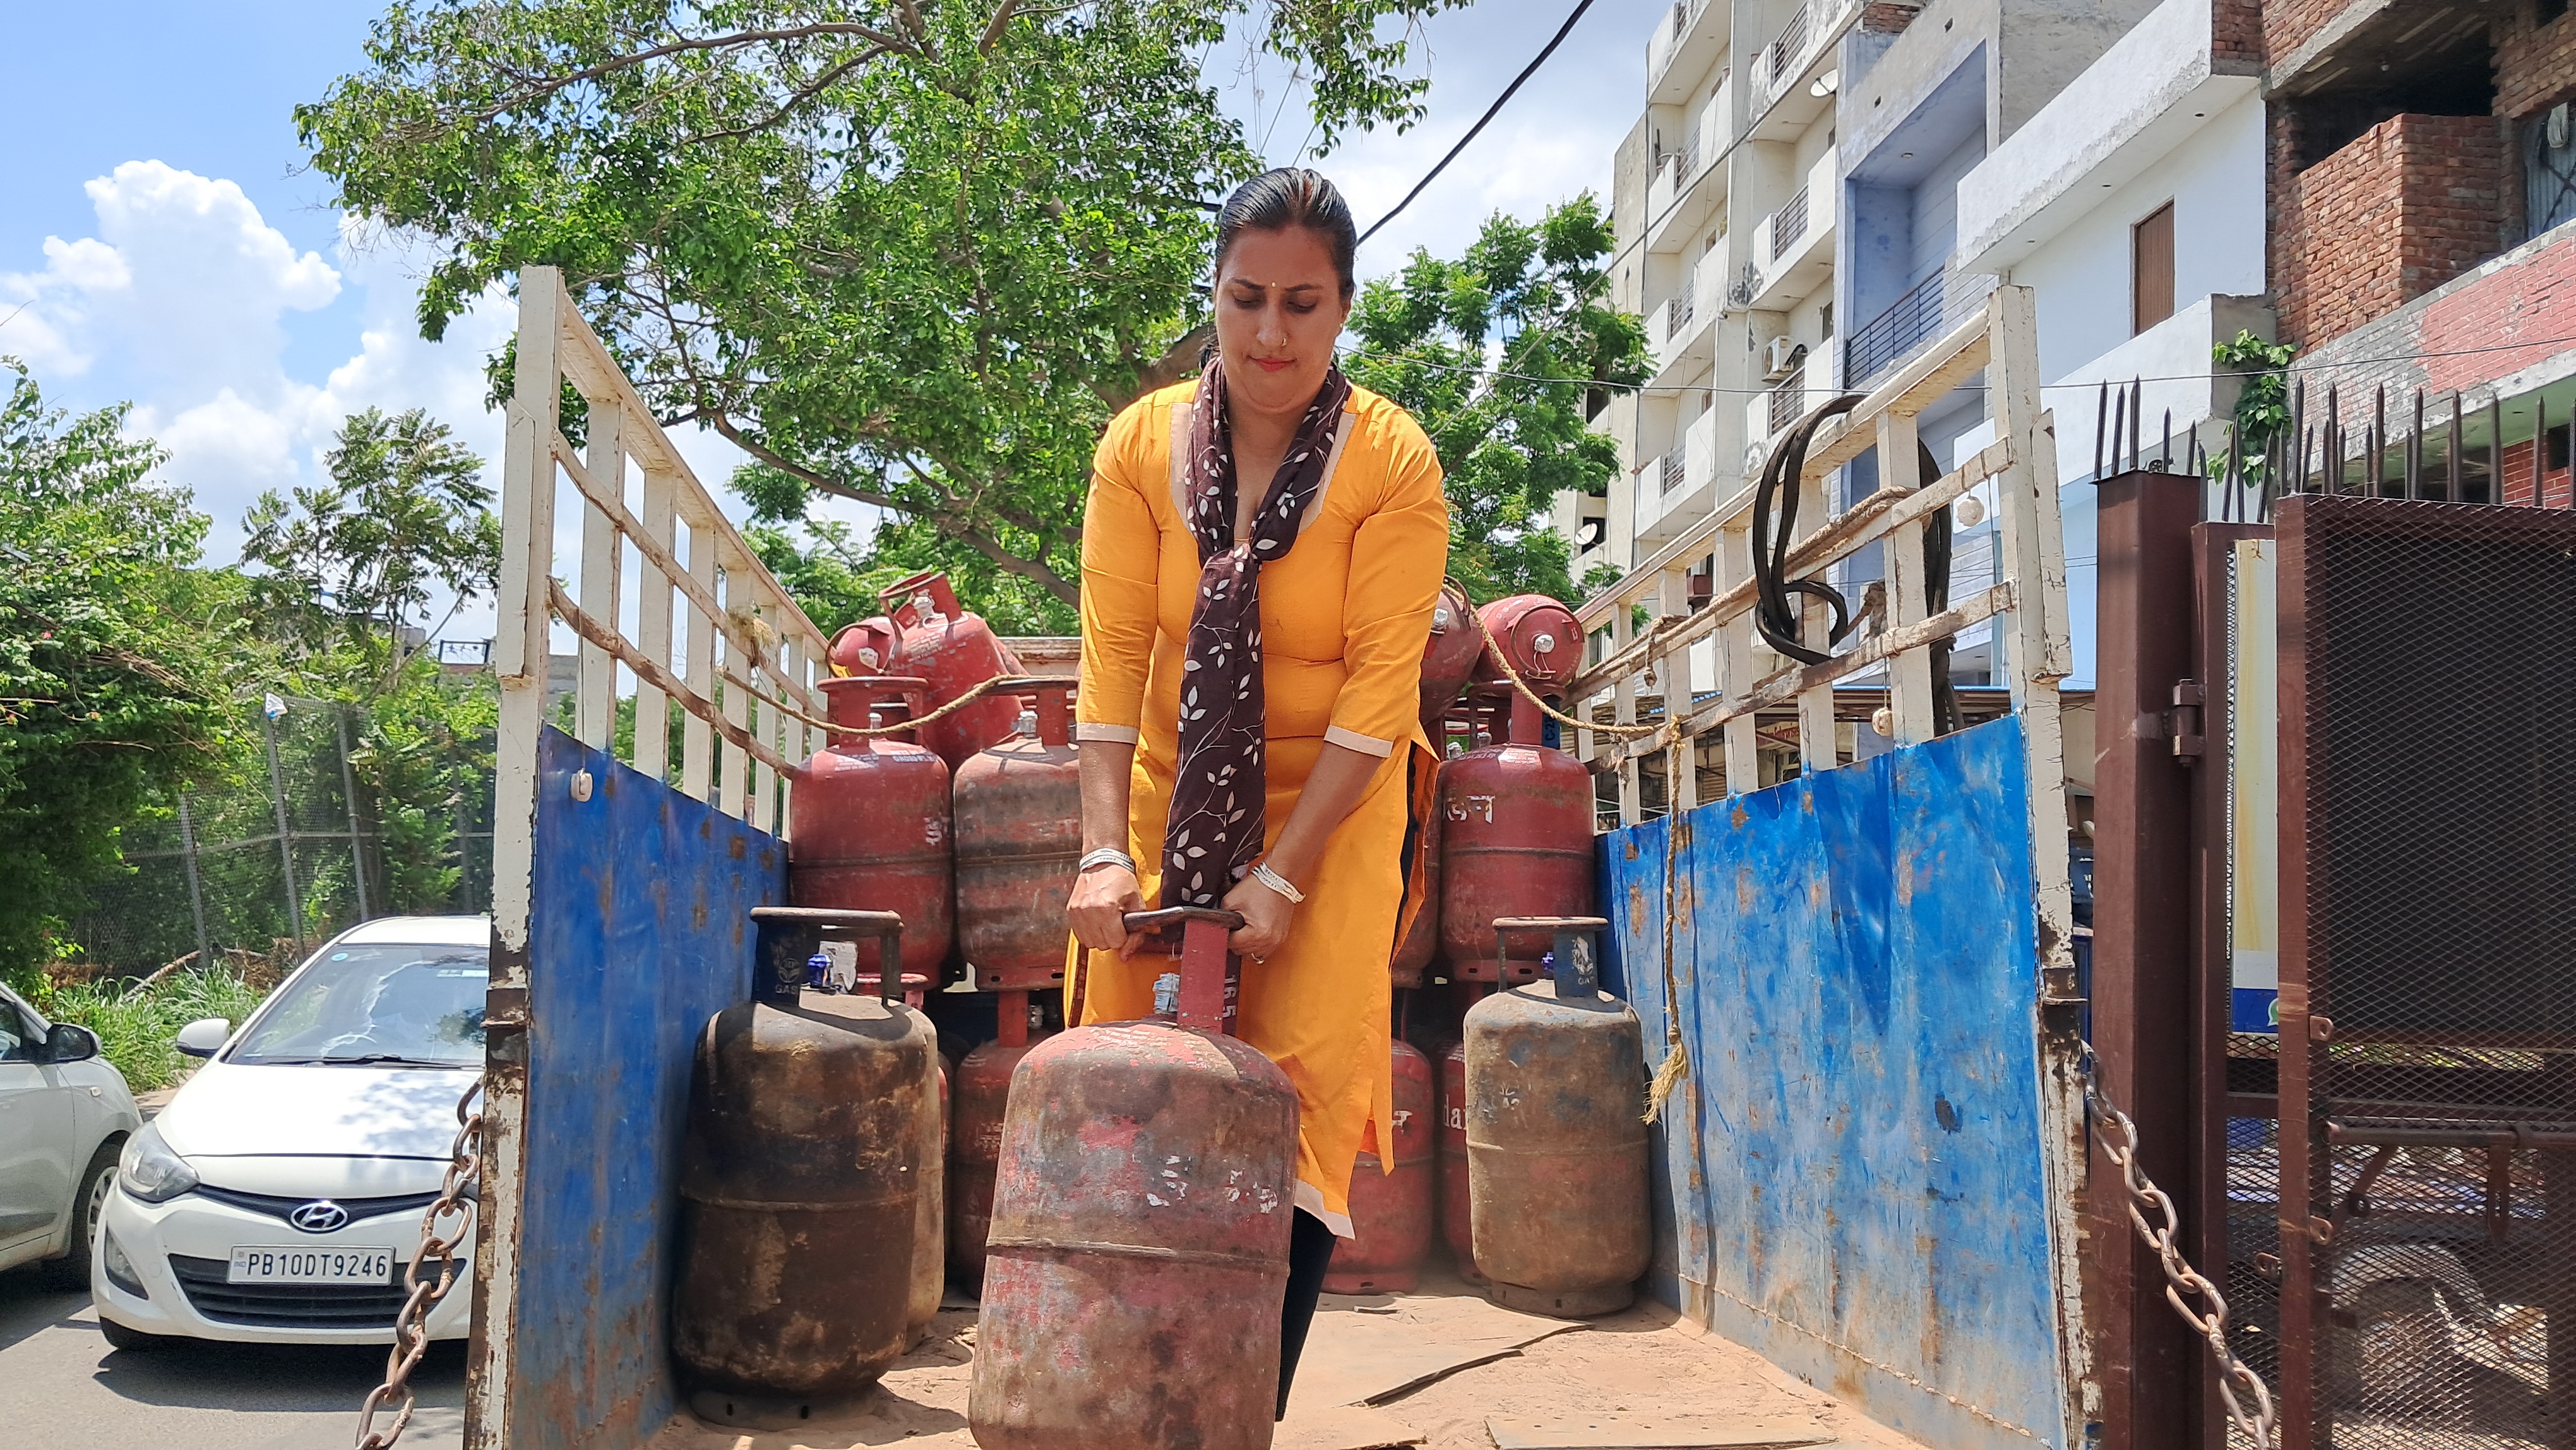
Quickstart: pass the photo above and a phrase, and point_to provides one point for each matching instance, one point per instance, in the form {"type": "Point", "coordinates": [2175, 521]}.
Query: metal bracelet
{"type": "Point", "coordinates": [1106, 856]}
{"type": "Point", "coordinates": [1262, 873]}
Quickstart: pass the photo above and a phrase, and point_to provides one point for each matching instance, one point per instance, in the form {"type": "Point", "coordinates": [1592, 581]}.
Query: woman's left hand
{"type": "Point", "coordinates": [1267, 915]}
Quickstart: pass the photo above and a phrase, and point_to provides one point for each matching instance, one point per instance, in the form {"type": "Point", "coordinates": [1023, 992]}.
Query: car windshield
{"type": "Point", "coordinates": [376, 1006]}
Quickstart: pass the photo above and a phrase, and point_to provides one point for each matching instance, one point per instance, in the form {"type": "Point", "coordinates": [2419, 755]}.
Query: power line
{"type": "Point", "coordinates": [1526, 72]}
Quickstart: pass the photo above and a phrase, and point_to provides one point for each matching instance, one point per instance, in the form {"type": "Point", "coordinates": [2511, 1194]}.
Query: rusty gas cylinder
{"type": "Point", "coordinates": [868, 647]}
{"type": "Point", "coordinates": [1421, 940]}
{"type": "Point", "coordinates": [1018, 814]}
{"type": "Point", "coordinates": [1556, 1134]}
{"type": "Point", "coordinates": [871, 822]}
{"type": "Point", "coordinates": [1449, 656]}
{"type": "Point", "coordinates": [983, 1092]}
{"type": "Point", "coordinates": [942, 642]}
{"type": "Point", "coordinates": [1515, 839]}
{"type": "Point", "coordinates": [801, 1178]}
{"type": "Point", "coordinates": [1139, 1248]}
{"type": "Point", "coordinates": [1391, 1213]}
{"type": "Point", "coordinates": [1537, 636]}
{"type": "Point", "coordinates": [1457, 1219]}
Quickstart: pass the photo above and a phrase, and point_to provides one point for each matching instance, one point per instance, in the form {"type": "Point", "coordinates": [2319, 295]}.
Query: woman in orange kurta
{"type": "Point", "coordinates": [1340, 533]}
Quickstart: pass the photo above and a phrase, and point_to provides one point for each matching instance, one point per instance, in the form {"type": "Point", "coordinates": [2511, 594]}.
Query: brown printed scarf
{"type": "Point", "coordinates": [1215, 830]}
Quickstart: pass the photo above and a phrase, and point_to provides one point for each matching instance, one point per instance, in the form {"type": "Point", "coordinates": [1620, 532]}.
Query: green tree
{"type": "Point", "coordinates": [404, 517]}
{"type": "Point", "coordinates": [909, 252]}
{"type": "Point", "coordinates": [1503, 355]}
{"type": "Point", "coordinates": [118, 658]}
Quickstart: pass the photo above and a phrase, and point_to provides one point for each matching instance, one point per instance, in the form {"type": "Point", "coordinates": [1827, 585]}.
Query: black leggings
{"type": "Point", "coordinates": [1310, 1252]}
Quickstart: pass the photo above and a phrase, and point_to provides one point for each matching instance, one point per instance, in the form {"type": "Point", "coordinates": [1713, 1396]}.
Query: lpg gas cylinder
{"type": "Point", "coordinates": [1539, 637]}
{"type": "Point", "coordinates": [1421, 941]}
{"type": "Point", "coordinates": [1018, 811]}
{"type": "Point", "coordinates": [868, 647]}
{"type": "Point", "coordinates": [1457, 1219]}
{"type": "Point", "coordinates": [955, 651]}
{"type": "Point", "coordinates": [871, 821]}
{"type": "Point", "coordinates": [801, 1177]}
{"type": "Point", "coordinates": [983, 1091]}
{"type": "Point", "coordinates": [1391, 1212]}
{"type": "Point", "coordinates": [1515, 837]}
{"type": "Point", "coordinates": [1139, 1249]}
{"type": "Point", "coordinates": [1449, 656]}
{"type": "Point", "coordinates": [1556, 1134]}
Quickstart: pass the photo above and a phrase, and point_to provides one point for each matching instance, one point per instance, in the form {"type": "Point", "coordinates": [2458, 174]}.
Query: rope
{"type": "Point", "coordinates": [1513, 675]}
{"type": "Point", "coordinates": [1676, 1064]}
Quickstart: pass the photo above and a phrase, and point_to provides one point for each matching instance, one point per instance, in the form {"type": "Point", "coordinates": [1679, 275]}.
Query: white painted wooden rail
{"type": "Point", "coordinates": [708, 630]}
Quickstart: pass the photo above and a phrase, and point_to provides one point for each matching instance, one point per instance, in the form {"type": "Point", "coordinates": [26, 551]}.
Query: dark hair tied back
{"type": "Point", "coordinates": [1292, 196]}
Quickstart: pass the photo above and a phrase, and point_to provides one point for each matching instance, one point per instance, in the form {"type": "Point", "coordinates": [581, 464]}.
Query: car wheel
{"type": "Point", "coordinates": [71, 1271]}
{"type": "Point", "coordinates": [120, 1337]}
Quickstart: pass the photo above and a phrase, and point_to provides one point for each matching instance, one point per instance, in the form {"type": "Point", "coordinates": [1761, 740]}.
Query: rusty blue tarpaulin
{"type": "Point", "coordinates": [639, 932]}
{"type": "Point", "coordinates": [1853, 1170]}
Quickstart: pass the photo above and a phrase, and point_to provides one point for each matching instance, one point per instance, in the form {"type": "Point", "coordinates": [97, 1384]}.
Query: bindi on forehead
{"type": "Point", "coordinates": [1290, 288]}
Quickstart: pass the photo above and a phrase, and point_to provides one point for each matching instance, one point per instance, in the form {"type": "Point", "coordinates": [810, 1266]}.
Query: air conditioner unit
{"type": "Point", "coordinates": [1781, 357]}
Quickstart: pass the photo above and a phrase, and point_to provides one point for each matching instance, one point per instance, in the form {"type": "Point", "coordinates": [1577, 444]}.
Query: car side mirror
{"type": "Point", "coordinates": [203, 1037]}
{"type": "Point", "coordinates": [70, 1042]}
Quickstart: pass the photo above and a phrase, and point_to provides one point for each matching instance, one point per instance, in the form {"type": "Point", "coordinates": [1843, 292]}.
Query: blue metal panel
{"type": "Point", "coordinates": [639, 931]}
{"type": "Point", "coordinates": [1854, 1170]}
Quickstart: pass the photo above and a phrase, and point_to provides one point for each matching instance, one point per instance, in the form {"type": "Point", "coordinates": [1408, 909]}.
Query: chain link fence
{"type": "Point", "coordinates": [328, 821]}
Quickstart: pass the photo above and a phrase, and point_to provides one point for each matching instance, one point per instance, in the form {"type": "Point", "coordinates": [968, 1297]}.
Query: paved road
{"type": "Point", "coordinates": [61, 1385]}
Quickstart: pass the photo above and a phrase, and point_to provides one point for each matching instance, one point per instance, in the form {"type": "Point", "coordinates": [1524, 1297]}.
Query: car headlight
{"type": "Point", "coordinates": [149, 1172]}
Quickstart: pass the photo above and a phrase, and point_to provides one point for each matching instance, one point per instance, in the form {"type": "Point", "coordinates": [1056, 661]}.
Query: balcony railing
{"type": "Point", "coordinates": [1787, 50]}
{"type": "Point", "coordinates": [1666, 42]}
{"type": "Point", "coordinates": [1788, 400]}
{"type": "Point", "coordinates": [1668, 474]}
{"type": "Point", "coordinates": [1928, 309]}
{"type": "Point", "coordinates": [1788, 224]}
{"type": "Point", "coordinates": [1677, 311]}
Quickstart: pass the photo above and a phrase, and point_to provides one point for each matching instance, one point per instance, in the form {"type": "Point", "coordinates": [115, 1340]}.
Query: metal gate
{"type": "Point", "coordinates": [2427, 973]}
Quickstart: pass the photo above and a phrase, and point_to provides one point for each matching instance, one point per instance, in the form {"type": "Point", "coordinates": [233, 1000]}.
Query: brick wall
{"type": "Point", "coordinates": [2289, 24]}
{"type": "Point", "coordinates": [2535, 67]}
{"type": "Point", "coordinates": [2236, 31]}
{"type": "Point", "coordinates": [2412, 203]}
{"type": "Point", "coordinates": [1887, 17]}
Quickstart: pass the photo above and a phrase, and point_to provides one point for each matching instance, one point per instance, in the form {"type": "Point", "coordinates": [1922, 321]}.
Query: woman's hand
{"type": "Point", "coordinates": [1267, 915]}
{"type": "Point", "coordinates": [1102, 897]}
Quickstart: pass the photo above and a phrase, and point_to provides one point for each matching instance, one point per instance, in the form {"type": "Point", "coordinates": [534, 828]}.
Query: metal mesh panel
{"type": "Point", "coordinates": [2428, 971]}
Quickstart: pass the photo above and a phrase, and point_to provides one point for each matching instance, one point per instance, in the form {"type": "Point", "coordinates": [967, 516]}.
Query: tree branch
{"type": "Point", "coordinates": [1178, 361]}
{"type": "Point", "coordinates": [993, 31]}
{"type": "Point", "coordinates": [788, 107]}
{"type": "Point", "coordinates": [884, 41]}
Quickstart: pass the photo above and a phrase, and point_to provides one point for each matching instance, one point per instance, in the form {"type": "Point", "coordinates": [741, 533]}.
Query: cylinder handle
{"type": "Point", "coordinates": [1211, 979]}
{"type": "Point", "coordinates": [1578, 955]}
{"type": "Point", "coordinates": [826, 921]}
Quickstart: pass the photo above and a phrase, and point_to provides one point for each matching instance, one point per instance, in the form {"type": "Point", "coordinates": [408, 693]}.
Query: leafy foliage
{"type": "Point", "coordinates": [911, 252]}
{"type": "Point", "coordinates": [2263, 403]}
{"type": "Point", "coordinates": [138, 1026]}
{"type": "Point", "coordinates": [1503, 355]}
{"type": "Point", "coordinates": [352, 561]}
{"type": "Point", "coordinates": [117, 656]}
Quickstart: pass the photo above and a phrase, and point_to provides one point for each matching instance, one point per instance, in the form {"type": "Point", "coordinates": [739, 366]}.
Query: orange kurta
{"type": "Point", "coordinates": [1343, 622]}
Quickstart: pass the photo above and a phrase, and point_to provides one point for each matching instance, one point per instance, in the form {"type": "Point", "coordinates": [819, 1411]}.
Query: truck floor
{"type": "Point", "coordinates": [1441, 1364]}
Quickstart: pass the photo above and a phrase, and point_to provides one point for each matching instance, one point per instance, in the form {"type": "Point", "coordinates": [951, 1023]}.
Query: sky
{"type": "Point", "coordinates": [162, 244]}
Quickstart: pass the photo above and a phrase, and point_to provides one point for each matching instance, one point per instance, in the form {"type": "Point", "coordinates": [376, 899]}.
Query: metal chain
{"type": "Point", "coordinates": [442, 1230]}
{"type": "Point", "coordinates": [2118, 1136]}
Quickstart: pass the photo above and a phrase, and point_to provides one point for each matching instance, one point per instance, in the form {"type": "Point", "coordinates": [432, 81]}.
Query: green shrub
{"type": "Point", "coordinates": [138, 1025]}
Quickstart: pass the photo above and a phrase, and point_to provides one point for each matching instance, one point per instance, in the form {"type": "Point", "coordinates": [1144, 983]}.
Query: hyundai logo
{"type": "Point", "coordinates": [319, 1217]}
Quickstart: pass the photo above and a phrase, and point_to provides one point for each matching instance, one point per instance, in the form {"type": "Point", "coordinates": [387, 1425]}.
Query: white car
{"type": "Point", "coordinates": [64, 1114]}
{"type": "Point", "coordinates": [278, 1199]}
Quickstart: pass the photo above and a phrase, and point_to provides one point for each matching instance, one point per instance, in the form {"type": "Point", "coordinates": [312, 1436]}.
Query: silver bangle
{"type": "Point", "coordinates": [1262, 873]}
{"type": "Point", "coordinates": [1106, 856]}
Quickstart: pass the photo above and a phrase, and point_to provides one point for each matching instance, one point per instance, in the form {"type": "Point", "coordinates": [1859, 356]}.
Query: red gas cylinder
{"type": "Point", "coordinates": [975, 1147]}
{"type": "Point", "coordinates": [1516, 840]}
{"type": "Point", "coordinates": [1139, 1247]}
{"type": "Point", "coordinates": [1449, 656]}
{"type": "Point", "coordinates": [866, 648]}
{"type": "Point", "coordinates": [955, 651]}
{"type": "Point", "coordinates": [1422, 940]}
{"type": "Point", "coordinates": [1391, 1213]}
{"type": "Point", "coordinates": [871, 822]}
{"type": "Point", "coordinates": [1018, 810]}
{"type": "Point", "coordinates": [1540, 638]}
{"type": "Point", "coordinates": [1457, 1222]}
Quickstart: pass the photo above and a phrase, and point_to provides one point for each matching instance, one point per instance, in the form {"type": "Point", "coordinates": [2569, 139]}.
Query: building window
{"type": "Point", "coordinates": [2151, 269]}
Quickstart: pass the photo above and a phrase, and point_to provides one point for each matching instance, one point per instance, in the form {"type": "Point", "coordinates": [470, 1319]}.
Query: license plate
{"type": "Point", "coordinates": [259, 1264]}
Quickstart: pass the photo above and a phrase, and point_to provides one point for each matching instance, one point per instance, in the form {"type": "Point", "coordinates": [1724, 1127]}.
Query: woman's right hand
{"type": "Point", "coordinates": [1102, 898]}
